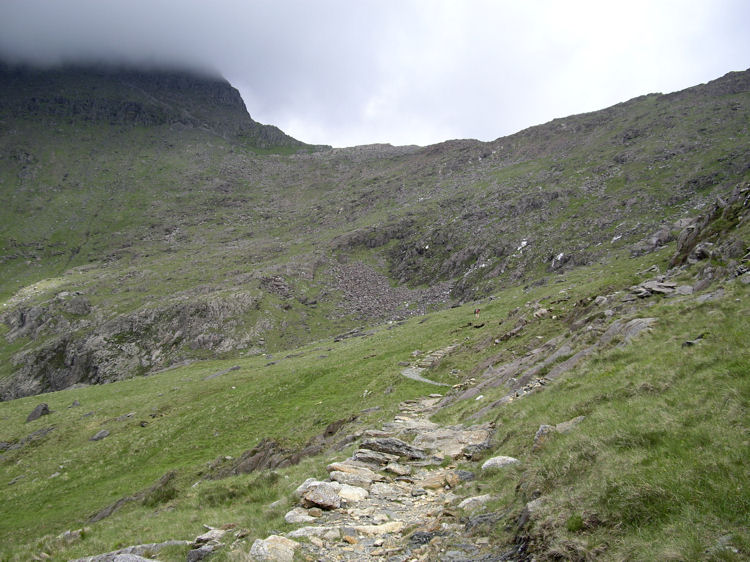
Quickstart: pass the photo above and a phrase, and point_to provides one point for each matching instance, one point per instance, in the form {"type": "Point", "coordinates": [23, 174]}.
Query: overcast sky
{"type": "Point", "coordinates": [346, 72]}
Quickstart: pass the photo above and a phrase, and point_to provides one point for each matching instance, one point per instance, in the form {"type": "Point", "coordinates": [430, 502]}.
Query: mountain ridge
{"type": "Point", "coordinates": [114, 215]}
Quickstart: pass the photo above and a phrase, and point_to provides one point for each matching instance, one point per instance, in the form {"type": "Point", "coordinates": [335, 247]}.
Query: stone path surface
{"type": "Point", "coordinates": [394, 498]}
{"type": "Point", "coordinates": [414, 372]}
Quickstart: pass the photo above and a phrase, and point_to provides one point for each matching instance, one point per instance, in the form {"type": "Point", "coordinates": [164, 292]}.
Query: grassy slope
{"type": "Point", "coordinates": [658, 468]}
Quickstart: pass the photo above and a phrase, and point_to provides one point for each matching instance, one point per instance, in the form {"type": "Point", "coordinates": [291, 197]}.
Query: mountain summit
{"type": "Point", "coordinates": [131, 97]}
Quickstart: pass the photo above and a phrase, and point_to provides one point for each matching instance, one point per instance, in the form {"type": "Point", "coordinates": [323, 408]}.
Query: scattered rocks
{"type": "Point", "coordinates": [99, 435]}
{"type": "Point", "coordinates": [41, 410]}
{"type": "Point", "coordinates": [653, 287]}
{"type": "Point", "coordinates": [370, 524]}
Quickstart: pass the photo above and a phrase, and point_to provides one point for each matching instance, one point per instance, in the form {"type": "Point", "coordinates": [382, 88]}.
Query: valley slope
{"type": "Point", "coordinates": [254, 303]}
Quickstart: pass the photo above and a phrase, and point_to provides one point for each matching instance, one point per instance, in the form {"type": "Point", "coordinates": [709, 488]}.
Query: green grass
{"type": "Point", "coordinates": [658, 467]}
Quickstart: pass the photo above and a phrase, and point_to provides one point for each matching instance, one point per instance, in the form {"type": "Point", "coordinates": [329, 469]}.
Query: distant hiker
{"type": "Point", "coordinates": [476, 313]}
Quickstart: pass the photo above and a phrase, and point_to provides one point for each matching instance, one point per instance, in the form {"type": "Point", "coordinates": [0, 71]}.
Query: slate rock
{"type": "Point", "coordinates": [41, 410]}
{"type": "Point", "coordinates": [100, 435]}
{"type": "Point", "coordinates": [394, 446]}
{"type": "Point", "coordinates": [466, 475]}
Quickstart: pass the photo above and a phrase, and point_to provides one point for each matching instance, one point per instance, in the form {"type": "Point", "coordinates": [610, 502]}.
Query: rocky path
{"type": "Point", "coordinates": [414, 372]}
{"type": "Point", "coordinates": [394, 499]}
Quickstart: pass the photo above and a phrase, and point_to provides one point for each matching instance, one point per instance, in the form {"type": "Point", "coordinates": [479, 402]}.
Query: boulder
{"type": "Point", "coordinates": [274, 548]}
{"type": "Point", "coordinates": [351, 479]}
{"type": "Point", "coordinates": [352, 494]}
{"type": "Point", "coordinates": [100, 435]}
{"type": "Point", "coordinates": [499, 462]}
{"type": "Point", "coordinates": [394, 446]}
{"type": "Point", "coordinates": [324, 495]}
{"type": "Point", "coordinates": [474, 502]}
{"type": "Point", "coordinates": [373, 457]}
{"type": "Point", "coordinates": [41, 410]}
{"type": "Point", "coordinates": [298, 515]}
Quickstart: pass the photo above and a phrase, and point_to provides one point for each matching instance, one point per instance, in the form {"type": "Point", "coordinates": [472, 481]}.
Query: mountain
{"type": "Point", "coordinates": [142, 228]}
{"type": "Point", "coordinates": [575, 293]}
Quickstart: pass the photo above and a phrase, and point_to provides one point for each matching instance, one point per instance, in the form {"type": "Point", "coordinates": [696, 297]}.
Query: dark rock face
{"type": "Point", "coordinates": [41, 410]}
{"type": "Point", "coordinates": [130, 97]}
{"type": "Point", "coordinates": [394, 446]}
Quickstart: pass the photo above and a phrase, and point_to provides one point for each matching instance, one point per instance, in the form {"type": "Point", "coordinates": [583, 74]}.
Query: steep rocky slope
{"type": "Point", "coordinates": [147, 220]}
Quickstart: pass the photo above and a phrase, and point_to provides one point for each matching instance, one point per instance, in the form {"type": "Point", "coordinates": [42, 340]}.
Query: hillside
{"type": "Point", "coordinates": [134, 242]}
{"type": "Point", "coordinates": [292, 304]}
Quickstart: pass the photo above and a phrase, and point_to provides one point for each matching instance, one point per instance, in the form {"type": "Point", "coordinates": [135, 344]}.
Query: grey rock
{"type": "Point", "coordinates": [394, 446]}
{"type": "Point", "coordinates": [197, 554]}
{"type": "Point", "coordinates": [323, 495]}
{"type": "Point", "coordinates": [541, 434]}
{"type": "Point", "coordinates": [298, 515]}
{"type": "Point", "coordinates": [474, 502]}
{"type": "Point", "coordinates": [100, 435]}
{"type": "Point", "coordinates": [274, 548]}
{"type": "Point", "coordinates": [499, 462]}
{"type": "Point", "coordinates": [374, 457]}
{"type": "Point", "coordinates": [466, 475]}
{"type": "Point", "coordinates": [137, 550]}
{"type": "Point", "coordinates": [41, 410]}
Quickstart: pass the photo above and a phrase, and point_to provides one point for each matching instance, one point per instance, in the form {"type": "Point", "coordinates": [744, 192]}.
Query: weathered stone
{"type": "Point", "coordinates": [499, 462]}
{"type": "Point", "coordinates": [329, 533]}
{"type": "Point", "coordinates": [273, 549]}
{"type": "Point", "coordinates": [383, 490]}
{"type": "Point", "coordinates": [450, 442]}
{"type": "Point", "coordinates": [209, 536]}
{"type": "Point", "coordinates": [302, 488]}
{"type": "Point", "coordinates": [394, 446]}
{"type": "Point", "coordinates": [352, 494]}
{"type": "Point", "coordinates": [351, 479]}
{"type": "Point", "coordinates": [541, 434]}
{"type": "Point", "coordinates": [385, 528]}
{"type": "Point", "coordinates": [323, 495]}
{"type": "Point", "coordinates": [566, 426]}
{"type": "Point", "coordinates": [137, 550]}
{"type": "Point", "coordinates": [474, 502]}
{"type": "Point", "coordinates": [99, 435]}
{"type": "Point", "coordinates": [41, 410]}
{"type": "Point", "coordinates": [373, 457]}
{"type": "Point", "coordinates": [434, 480]}
{"type": "Point", "coordinates": [398, 469]}
{"type": "Point", "coordinates": [298, 515]}
{"type": "Point", "coordinates": [200, 553]}
{"type": "Point", "coordinates": [466, 475]}
{"type": "Point", "coordinates": [361, 471]}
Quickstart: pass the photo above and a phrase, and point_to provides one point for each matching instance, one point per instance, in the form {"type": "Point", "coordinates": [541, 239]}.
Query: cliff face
{"type": "Point", "coordinates": [128, 98]}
